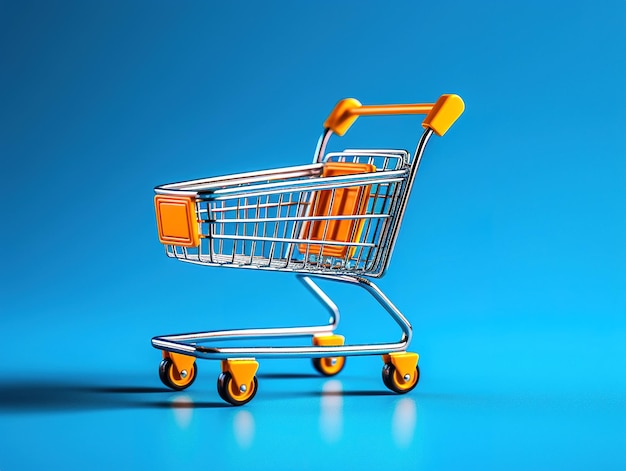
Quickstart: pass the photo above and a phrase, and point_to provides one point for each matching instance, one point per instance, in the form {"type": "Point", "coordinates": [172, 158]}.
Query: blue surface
{"type": "Point", "coordinates": [510, 262]}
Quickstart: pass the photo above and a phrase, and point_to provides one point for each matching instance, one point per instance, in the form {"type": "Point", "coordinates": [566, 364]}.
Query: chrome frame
{"type": "Point", "coordinates": [275, 181]}
{"type": "Point", "coordinates": [188, 344]}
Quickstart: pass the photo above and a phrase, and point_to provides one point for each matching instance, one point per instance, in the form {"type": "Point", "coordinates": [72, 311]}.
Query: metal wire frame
{"type": "Point", "coordinates": [249, 222]}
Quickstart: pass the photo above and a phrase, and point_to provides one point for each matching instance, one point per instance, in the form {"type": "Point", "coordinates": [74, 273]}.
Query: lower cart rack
{"type": "Point", "coordinates": [336, 219]}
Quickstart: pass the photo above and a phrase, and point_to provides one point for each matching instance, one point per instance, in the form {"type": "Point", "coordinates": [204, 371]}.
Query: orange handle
{"type": "Point", "coordinates": [439, 116]}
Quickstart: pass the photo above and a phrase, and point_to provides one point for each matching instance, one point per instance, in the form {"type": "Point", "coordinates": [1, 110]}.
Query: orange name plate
{"type": "Point", "coordinates": [176, 220]}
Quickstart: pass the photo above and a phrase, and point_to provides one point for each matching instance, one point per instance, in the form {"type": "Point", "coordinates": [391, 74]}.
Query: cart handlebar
{"type": "Point", "coordinates": [439, 116]}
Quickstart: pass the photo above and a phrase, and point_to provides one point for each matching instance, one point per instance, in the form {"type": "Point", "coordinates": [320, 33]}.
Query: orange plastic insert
{"type": "Point", "coordinates": [346, 202]}
{"type": "Point", "coordinates": [176, 219]}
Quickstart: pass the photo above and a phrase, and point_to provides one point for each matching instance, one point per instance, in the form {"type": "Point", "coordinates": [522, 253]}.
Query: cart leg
{"type": "Point", "coordinates": [375, 292]}
{"type": "Point", "coordinates": [394, 312]}
{"type": "Point", "coordinates": [238, 384]}
{"type": "Point", "coordinates": [323, 298]}
{"type": "Point", "coordinates": [400, 373]}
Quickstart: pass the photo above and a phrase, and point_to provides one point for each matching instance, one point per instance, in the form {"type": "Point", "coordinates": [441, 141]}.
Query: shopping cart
{"type": "Point", "coordinates": [335, 219]}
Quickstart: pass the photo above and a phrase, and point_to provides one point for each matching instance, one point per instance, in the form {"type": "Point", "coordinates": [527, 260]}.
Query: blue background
{"type": "Point", "coordinates": [510, 264]}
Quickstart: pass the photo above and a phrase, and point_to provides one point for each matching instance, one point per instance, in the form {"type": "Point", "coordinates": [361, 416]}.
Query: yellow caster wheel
{"type": "Point", "coordinates": [329, 366]}
{"type": "Point", "coordinates": [237, 396]}
{"type": "Point", "coordinates": [171, 378]}
{"type": "Point", "coordinates": [397, 383]}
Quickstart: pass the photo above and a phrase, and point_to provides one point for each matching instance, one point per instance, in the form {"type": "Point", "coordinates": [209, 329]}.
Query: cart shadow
{"type": "Point", "coordinates": [123, 389]}
{"type": "Point", "coordinates": [49, 395]}
{"type": "Point", "coordinates": [52, 396]}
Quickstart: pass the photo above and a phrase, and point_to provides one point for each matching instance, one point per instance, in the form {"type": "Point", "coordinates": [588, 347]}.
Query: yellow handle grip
{"type": "Point", "coordinates": [439, 116]}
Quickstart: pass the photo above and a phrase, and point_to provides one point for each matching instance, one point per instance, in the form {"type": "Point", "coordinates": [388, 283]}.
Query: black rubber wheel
{"type": "Point", "coordinates": [162, 373]}
{"type": "Point", "coordinates": [386, 374]}
{"type": "Point", "coordinates": [230, 393]}
{"type": "Point", "coordinates": [396, 384]}
{"type": "Point", "coordinates": [221, 386]}
{"type": "Point", "coordinates": [172, 379]}
{"type": "Point", "coordinates": [324, 366]}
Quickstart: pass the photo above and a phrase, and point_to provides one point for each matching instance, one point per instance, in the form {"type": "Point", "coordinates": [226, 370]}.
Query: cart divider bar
{"type": "Point", "coordinates": [255, 192]}
{"type": "Point", "coordinates": [293, 218]}
{"type": "Point", "coordinates": [314, 184]}
{"type": "Point", "coordinates": [286, 240]}
{"type": "Point", "coordinates": [226, 209]}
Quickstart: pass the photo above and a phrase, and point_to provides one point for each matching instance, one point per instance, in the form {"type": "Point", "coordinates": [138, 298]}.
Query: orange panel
{"type": "Point", "coordinates": [347, 201]}
{"type": "Point", "coordinates": [176, 219]}
{"type": "Point", "coordinates": [328, 340]}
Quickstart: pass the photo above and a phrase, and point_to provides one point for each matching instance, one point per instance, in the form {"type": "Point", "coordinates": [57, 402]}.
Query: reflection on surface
{"type": "Point", "coordinates": [243, 428]}
{"type": "Point", "coordinates": [403, 422]}
{"type": "Point", "coordinates": [182, 405]}
{"type": "Point", "coordinates": [331, 415]}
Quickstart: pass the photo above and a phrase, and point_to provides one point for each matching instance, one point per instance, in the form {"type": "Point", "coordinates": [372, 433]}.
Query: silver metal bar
{"type": "Point", "coordinates": [321, 145]}
{"type": "Point", "coordinates": [291, 177]}
{"type": "Point", "coordinates": [306, 218]}
{"type": "Point", "coordinates": [238, 334]}
{"type": "Point", "coordinates": [234, 250]}
{"type": "Point", "coordinates": [272, 245]}
{"type": "Point", "coordinates": [221, 243]}
{"type": "Point", "coordinates": [299, 171]}
{"type": "Point", "coordinates": [265, 226]}
{"type": "Point", "coordinates": [285, 265]}
{"type": "Point", "coordinates": [163, 343]}
{"type": "Point", "coordinates": [255, 231]}
{"type": "Point", "coordinates": [311, 209]}
{"type": "Point", "coordinates": [399, 155]}
{"type": "Point", "coordinates": [419, 152]}
{"type": "Point", "coordinates": [294, 240]}
{"type": "Point", "coordinates": [368, 225]}
{"type": "Point", "coordinates": [323, 298]}
{"type": "Point", "coordinates": [320, 247]}
{"type": "Point", "coordinates": [290, 247]}
{"type": "Point", "coordinates": [378, 295]}
{"type": "Point", "coordinates": [264, 205]}
{"type": "Point", "coordinates": [314, 184]}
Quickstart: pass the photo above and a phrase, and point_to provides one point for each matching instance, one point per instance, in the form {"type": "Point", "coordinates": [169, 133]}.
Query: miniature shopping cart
{"type": "Point", "coordinates": [335, 219]}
